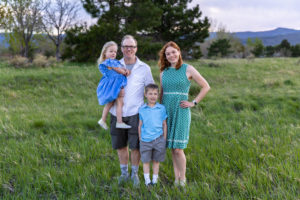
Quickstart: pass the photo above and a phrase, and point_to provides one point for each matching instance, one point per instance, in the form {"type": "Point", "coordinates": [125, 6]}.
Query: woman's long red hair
{"type": "Point", "coordinates": [163, 63]}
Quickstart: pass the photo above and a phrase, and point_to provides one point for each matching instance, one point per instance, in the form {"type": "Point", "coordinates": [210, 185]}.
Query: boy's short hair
{"type": "Point", "coordinates": [151, 86]}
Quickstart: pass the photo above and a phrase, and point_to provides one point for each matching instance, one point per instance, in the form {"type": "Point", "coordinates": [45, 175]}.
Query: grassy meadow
{"type": "Point", "coordinates": [244, 138]}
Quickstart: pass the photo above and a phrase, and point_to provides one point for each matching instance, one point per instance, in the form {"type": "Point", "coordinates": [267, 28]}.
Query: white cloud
{"type": "Point", "coordinates": [252, 15]}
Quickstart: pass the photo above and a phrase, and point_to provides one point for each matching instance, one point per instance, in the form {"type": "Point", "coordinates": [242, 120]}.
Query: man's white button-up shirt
{"type": "Point", "coordinates": [134, 90]}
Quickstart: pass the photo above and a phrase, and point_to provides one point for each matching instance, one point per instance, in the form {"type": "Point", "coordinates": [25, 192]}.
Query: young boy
{"type": "Point", "coordinates": [152, 133]}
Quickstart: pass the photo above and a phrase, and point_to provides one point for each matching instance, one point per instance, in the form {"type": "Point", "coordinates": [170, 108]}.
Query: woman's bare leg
{"type": "Point", "coordinates": [179, 163]}
{"type": "Point", "coordinates": [176, 170]}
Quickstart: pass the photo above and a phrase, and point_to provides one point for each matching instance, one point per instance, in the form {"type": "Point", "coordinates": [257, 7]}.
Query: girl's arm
{"type": "Point", "coordinates": [161, 89]}
{"type": "Point", "coordinates": [165, 128]}
{"type": "Point", "coordinates": [119, 70]}
{"type": "Point", "coordinates": [128, 72]}
{"type": "Point", "coordinates": [139, 128]}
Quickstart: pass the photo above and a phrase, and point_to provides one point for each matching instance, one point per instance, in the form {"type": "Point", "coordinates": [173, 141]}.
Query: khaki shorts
{"type": "Point", "coordinates": [154, 150]}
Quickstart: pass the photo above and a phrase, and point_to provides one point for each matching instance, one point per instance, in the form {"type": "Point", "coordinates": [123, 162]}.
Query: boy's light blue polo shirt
{"type": "Point", "coordinates": [152, 118]}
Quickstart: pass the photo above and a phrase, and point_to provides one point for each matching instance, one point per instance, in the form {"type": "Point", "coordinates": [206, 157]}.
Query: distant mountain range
{"type": "Point", "coordinates": [269, 38]}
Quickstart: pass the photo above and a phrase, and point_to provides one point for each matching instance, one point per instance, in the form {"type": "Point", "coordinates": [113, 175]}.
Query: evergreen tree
{"type": "Point", "coordinates": [295, 50]}
{"type": "Point", "coordinates": [284, 48]}
{"type": "Point", "coordinates": [84, 44]}
{"type": "Point", "coordinates": [285, 44]}
{"type": "Point", "coordinates": [181, 24]}
{"type": "Point", "coordinates": [116, 19]}
{"type": "Point", "coordinates": [258, 47]}
{"type": "Point", "coordinates": [219, 48]}
{"type": "Point", "coordinates": [269, 51]}
{"type": "Point", "coordinates": [129, 17]}
{"type": "Point", "coordinates": [152, 22]}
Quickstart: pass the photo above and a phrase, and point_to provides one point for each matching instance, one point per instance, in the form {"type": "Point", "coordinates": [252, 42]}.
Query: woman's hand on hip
{"type": "Point", "coordinates": [186, 104]}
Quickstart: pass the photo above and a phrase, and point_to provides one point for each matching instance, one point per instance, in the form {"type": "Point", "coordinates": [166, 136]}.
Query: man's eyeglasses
{"type": "Point", "coordinates": [129, 47]}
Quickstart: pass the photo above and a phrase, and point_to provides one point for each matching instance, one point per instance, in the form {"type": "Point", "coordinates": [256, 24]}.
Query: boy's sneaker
{"type": "Point", "coordinates": [103, 124]}
{"type": "Point", "coordinates": [122, 125]}
{"type": "Point", "coordinates": [182, 183]}
{"type": "Point", "coordinates": [135, 179]}
{"type": "Point", "coordinates": [149, 184]}
{"type": "Point", "coordinates": [152, 183]}
{"type": "Point", "coordinates": [123, 178]}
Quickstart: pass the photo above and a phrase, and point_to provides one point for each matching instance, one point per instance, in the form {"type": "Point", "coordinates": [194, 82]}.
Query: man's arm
{"type": "Point", "coordinates": [139, 128]}
{"type": "Point", "coordinates": [165, 128]}
{"type": "Point", "coordinates": [148, 78]}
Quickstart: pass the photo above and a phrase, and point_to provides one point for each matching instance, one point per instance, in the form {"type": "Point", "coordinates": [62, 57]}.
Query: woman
{"type": "Point", "coordinates": [175, 84]}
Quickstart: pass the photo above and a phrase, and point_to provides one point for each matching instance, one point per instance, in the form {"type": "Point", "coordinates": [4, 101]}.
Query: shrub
{"type": "Point", "coordinates": [52, 61]}
{"type": "Point", "coordinates": [40, 61]}
{"type": "Point", "coordinates": [250, 57]}
{"type": "Point", "coordinates": [19, 61]}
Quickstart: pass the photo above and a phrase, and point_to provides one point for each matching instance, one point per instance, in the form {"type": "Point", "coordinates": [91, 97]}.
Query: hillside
{"type": "Point", "coordinates": [244, 136]}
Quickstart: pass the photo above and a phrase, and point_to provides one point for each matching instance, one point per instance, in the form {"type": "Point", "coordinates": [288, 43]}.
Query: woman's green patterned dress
{"type": "Point", "coordinates": [175, 89]}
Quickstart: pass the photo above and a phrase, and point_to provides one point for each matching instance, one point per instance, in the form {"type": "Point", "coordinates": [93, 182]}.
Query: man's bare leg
{"type": "Point", "coordinates": [135, 161]}
{"type": "Point", "coordinates": [123, 155]}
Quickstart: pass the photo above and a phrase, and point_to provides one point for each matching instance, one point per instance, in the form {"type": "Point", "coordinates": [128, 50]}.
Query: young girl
{"type": "Point", "coordinates": [111, 85]}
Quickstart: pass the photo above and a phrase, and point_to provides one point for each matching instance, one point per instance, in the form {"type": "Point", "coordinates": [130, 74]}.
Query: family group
{"type": "Point", "coordinates": [147, 129]}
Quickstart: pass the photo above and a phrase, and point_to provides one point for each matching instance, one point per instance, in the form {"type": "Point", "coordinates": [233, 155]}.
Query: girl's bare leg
{"type": "Point", "coordinates": [119, 101]}
{"type": "Point", "coordinates": [106, 109]}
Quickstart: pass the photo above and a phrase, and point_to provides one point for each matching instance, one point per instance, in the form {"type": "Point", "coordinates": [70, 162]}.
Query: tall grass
{"type": "Point", "coordinates": [244, 138]}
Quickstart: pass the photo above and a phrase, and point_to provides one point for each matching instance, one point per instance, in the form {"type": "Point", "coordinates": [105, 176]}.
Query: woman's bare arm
{"type": "Point", "coordinates": [193, 74]}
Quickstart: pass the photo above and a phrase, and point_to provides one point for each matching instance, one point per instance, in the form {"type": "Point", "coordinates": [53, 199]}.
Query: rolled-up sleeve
{"type": "Point", "coordinates": [148, 76]}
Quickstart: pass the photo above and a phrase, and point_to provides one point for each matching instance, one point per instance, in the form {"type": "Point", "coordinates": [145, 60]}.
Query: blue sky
{"type": "Point", "coordinates": [246, 15]}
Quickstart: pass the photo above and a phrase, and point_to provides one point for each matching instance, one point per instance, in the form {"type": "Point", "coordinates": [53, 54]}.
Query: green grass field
{"type": "Point", "coordinates": [244, 138]}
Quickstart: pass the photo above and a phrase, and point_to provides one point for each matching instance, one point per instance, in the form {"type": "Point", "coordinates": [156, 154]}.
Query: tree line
{"type": "Point", "coordinates": [152, 22]}
{"type": "Point", "coordinates": [225, 44]}
{"type": "Point", "coordinates": [52, 29]}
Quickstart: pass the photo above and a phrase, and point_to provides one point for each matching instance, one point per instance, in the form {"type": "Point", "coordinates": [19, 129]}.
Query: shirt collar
{"type": "Point", "coordinates": [146, 106]}
{"type": "Point", "coordinates": [137, 63]}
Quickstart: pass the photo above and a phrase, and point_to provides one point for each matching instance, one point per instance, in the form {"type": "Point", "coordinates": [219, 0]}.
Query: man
{"type": "Point", "coordinates": [139, 77]}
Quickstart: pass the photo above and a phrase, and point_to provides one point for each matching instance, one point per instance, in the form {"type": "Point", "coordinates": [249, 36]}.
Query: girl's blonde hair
{"type": "Point", "coordinates": [104, 49]}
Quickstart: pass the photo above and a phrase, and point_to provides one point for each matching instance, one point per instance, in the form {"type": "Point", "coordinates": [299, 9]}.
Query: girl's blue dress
{"type": "Point", "coordinates": [111, 82]}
